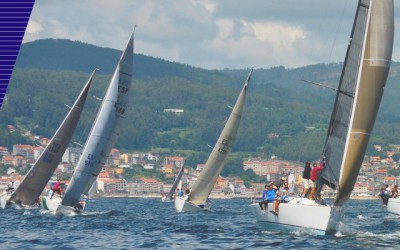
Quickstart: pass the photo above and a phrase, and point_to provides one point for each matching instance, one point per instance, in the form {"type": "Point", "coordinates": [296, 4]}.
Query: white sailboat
{"type": "Point", "coordinates": [103, 135]}
{"type": "Point", "coordinates": [357, 102]}
{"type": "Point", "coordinates": [28, 192]}
{"type": "Point", "coordinates": [170, 195]}
{"type": "Point", "coordinates": [198, 198]}
{"type": "Point", "coordinates": [393, 206]}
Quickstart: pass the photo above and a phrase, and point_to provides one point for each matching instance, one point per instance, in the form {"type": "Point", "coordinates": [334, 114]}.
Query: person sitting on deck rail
{"type": "Point", "coordinates": [180, 192]}
{"type": "Point", "coordinates": [384, 196]}
{"type": "Point", "coordinates": [282, 196]}
{"type": "Point", "coordinates": [268, 196]}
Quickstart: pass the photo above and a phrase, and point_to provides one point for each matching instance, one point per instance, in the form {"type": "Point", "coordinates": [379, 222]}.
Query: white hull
{"type": "Point", "coordinates": [3, 201]}
{"type": "Point", "coordinates": [6, 203]}
{"type": "Point", "coordinates": [166, 199]}
{"type": "Point", "coordinates": [181, 205]}
{"type": "Point", "coordinates": [54, 207]}
{"type": "Point", "coordinates": [393, 206]}
{"type": "Point", "coordinates": [302, 213]}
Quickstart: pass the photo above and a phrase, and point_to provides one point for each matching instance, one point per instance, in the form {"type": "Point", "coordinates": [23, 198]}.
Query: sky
{"type": "Point", "coordinates": [210, 34]}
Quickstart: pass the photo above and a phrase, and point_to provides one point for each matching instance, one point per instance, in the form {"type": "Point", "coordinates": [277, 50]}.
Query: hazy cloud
{"type": "Point", "coordinates": [207, 33]}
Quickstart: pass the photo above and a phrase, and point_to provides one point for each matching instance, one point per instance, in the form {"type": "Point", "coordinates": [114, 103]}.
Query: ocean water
{"type": "Point", "coordinates": [120, 223]}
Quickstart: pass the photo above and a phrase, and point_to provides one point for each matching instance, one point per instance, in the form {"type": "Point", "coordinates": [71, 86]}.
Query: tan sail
{"type": "Point", "coordinates": [370, 85]}
{"type": "Point", "coordinates": [215, 163]}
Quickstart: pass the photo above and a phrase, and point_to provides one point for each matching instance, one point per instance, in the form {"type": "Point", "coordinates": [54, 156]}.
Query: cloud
{"type": "Point", "coordinates": [33, 27]}
{"type": "Point", "coordinates": [207, 33]}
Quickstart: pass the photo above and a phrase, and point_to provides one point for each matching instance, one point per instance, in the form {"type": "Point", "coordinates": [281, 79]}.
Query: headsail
{"type": "Point", "coordinates": [40, 173]}
{"type": "Point", "coordinates": [176, 182]}
{"type": "Point", "coordinates": [215, 163]}
{"type": "Point", "coordinates": [105, 130]}
{"type": "Point", "coordinates": [364, 75]}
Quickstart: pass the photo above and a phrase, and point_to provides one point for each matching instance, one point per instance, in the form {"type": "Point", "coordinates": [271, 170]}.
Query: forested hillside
{"type": "Point", "coordinates": [51, 73]}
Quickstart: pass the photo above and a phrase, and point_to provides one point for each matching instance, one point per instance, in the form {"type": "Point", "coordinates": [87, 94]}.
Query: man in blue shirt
{"type": "Point", "coordinates": [268, 196]}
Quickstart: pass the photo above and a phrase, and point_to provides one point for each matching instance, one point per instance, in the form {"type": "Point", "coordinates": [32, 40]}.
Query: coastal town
{"type": "Point", "coordinates": [376, 171]}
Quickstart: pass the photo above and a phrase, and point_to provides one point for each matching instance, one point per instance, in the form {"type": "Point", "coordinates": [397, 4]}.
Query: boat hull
{"type": "Point", "coordinates": [6, 203]}
{"type": "Point", "coordinates": [393, 206]}
{"type": "Point", "coordinates": [166, 199]}
{"type": "Point", "coordinates": [54, 207]}
{"type": "Point", "coordinates": [181, 205]}
{"type": "Point", "coordinates": [302, 213]}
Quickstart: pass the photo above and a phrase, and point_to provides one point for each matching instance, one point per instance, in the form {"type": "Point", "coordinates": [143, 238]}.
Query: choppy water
{"type": "Point", "coordinates": [149, 223]}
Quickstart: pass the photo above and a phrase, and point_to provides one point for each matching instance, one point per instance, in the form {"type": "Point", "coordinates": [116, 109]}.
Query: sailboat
{"type": "Point", "coordinates": [197, 200]}
{"type": "Point", "coordinates": [393, 205]}
{"type": "Point", "coordinates": [170, 195]}
{"type": "Point", "coordinates": [28, 192]}
{"type": "Point", "coordinates": [103, 135]}
{"type": "Point", "coordinates": [358, 97]}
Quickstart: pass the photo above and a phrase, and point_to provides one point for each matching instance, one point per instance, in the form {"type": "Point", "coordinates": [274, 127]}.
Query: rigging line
{"type": "Point", "coordinates": [329, 171]}
{"type": "Point", "coordinates": [337, 30]}
{"type": "Point", "coordinates": [91, 119]}
{"type": "Point", "coordinates": [349, 94]}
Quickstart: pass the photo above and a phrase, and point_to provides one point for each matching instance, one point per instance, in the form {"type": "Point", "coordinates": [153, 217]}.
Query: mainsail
{"type": "Point", "coordinates": [215, 163]}
{"type": "Point", "coordinates": [360, 91]}
{"type": "Point", "coordinates": [176, 182]}
{"type": "Point", "coordinates": [105, 130]}
{"type": "Point", "coordinates": [40, 173]}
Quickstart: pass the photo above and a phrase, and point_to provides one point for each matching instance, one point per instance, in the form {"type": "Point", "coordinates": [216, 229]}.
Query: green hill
{"type": "Point", "coordinates": [50, 73]}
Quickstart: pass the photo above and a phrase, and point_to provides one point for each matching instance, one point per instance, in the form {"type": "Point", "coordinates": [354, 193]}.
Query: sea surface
{"type": "Point", "coordinates": [122, 223]}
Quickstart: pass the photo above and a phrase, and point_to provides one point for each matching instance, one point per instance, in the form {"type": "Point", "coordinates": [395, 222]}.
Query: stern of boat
{"type": "Point", "coordinates": [182, 205]}
{"type": "Point", "coordinates": [393, 206]}
{"type": "Point", "coordinates": [298, 213]}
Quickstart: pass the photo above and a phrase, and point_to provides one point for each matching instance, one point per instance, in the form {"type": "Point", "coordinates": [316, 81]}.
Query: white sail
{"type": "Point", "coordinates": [215, 163]}
{"type": "Point", "coordinates": [40, 173]}
{"type": "Point", "coordinates": [105, 130]}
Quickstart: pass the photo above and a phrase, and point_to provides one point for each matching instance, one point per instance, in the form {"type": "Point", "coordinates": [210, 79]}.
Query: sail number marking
{"type": "Point", "coordinates": [123, 89]}
{"type": "Point", "coordinates": [53, 148]}
{"type": "Point", "coordinates": [225, 146]}
{"type": "Point", "coordinates": [124, 82]}
{"type": "Point", "coordinates": [89, 162]}
{"type": "Point", "coordinates": [119, 109]}
{"type": "Point", "coordinates": [48, 157]}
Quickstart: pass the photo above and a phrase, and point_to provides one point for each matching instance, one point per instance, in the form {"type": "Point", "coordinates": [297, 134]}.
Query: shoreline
{"type": "Point", "coordinates": [218, 197]}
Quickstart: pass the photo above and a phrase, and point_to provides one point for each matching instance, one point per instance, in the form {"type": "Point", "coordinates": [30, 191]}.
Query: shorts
{"type": "Point", "coordinates": [313, 184]}
{"type": "Point", "coordinates": [306, 183]}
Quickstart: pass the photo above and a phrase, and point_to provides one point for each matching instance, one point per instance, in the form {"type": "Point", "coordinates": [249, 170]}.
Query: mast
{"type": "Point", "coordinates": [364, 73]}
{"type": "Point", "coordinates": [40, 173]}
{"type": "Point", "coordinates": [215, 163]}
{"type": "Point", "coordinates": [105, 131]}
